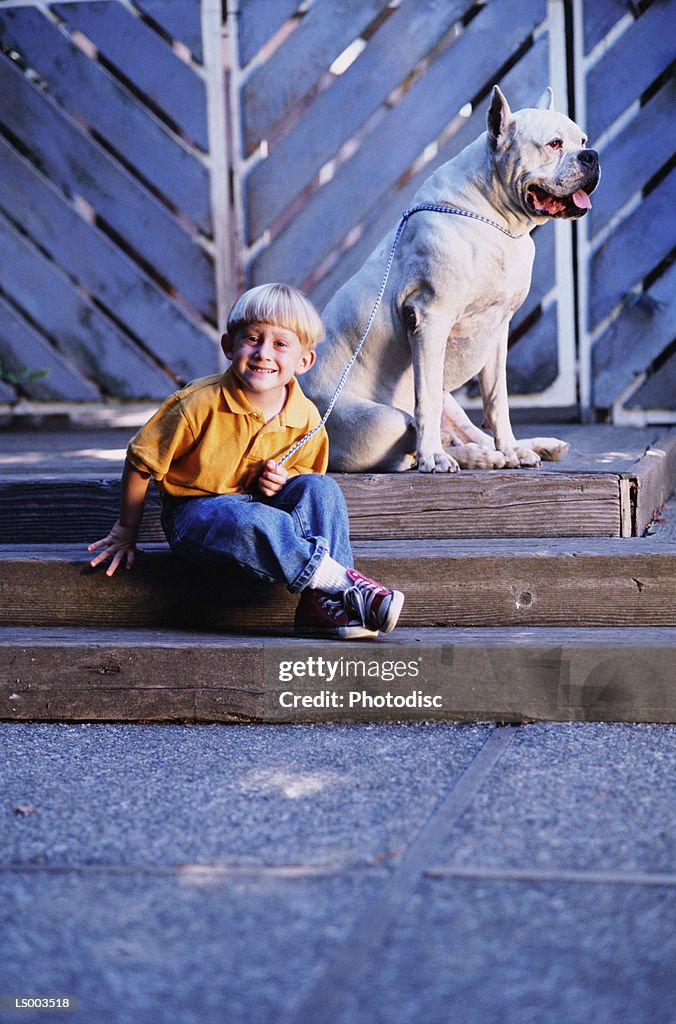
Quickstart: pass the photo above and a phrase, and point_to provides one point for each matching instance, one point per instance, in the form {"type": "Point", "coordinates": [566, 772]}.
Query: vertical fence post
{"type": "Point", "coordinates": [233, 87]}
{"type": "Point", "coordinates": [583, 249]}
{"type": "Point", "coordinates": [227, 247]}
{"type": "Point", "coordinates": [563, 238]}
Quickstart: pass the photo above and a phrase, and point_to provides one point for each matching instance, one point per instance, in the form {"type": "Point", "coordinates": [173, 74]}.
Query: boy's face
{"type": "Point", "coordinates": [265, 357]}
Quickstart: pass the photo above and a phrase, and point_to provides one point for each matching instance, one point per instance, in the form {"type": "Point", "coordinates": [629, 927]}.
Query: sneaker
{"type": "Point", "coordinates": [322, 614]}
{"type": "Point", "coordinates": [372, 603]}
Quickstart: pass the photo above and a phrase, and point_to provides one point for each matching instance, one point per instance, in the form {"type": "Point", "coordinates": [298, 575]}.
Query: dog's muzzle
{"type": "Point", "coordinates": [568, 205]}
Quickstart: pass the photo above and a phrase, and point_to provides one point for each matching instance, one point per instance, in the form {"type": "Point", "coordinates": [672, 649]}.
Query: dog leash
{"type": "Point", "coordinates": [427, 207]}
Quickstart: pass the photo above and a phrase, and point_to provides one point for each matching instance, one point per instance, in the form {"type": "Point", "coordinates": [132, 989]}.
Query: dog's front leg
{"type": "Point", "coordinates": [472, 448]}
{"type": "Point", "coordinates": [493, 384]}
{"type": "Point", "coordinates": [428, 346]}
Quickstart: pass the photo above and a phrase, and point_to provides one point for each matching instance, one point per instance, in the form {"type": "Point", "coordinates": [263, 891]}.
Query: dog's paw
{"type": "Point", "coordinates": [437, 462]}
{"type": "Point", "coordinates": [548, 448]}
{"type": "Point", "coordinates": [512, 457]}
{"type": "Point", "coordinates": [476, 456]}
{"type": "Point", "coordinates": [526, 457]}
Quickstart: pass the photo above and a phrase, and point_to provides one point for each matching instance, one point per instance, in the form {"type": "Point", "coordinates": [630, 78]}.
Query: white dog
{"type": "Point", "coordinates": [455, 284]}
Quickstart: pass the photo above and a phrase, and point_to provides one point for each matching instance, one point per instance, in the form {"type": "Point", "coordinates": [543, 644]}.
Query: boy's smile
{"type": "Point", "coordinates": [264, 359]}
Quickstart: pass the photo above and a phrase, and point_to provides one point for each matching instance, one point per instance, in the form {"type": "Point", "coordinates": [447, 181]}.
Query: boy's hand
{"type": "Point", "coordinates": [120, 544]}
{"type": "Point", "coordinates": [272, 479]}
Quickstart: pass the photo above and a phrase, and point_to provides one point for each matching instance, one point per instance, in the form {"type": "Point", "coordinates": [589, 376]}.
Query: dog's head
{"type": "Point", "coordinates": [541, 158]}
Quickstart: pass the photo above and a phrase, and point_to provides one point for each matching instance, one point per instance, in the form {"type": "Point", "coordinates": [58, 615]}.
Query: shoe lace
{"type": "Point", "coordinates": [332, 603]}
{"type": "Point", "coordinates": [355, 604]}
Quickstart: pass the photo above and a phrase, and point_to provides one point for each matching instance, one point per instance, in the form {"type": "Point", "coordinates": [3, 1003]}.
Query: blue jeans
{"type": "Point", "coordinates": [277, 540]}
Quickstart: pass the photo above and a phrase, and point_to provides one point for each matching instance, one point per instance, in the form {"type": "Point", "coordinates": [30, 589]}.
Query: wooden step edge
{"type": "Point", "coordinates": [501, 675]}
{"type": "Point", "coordinates": [515, 503]}
{"type": "Point", "coordinates": [445, 585]}
{"type": "Point", "coordinates": [406, 548]}
{"type": "Point", "coordinates": [648, 484]}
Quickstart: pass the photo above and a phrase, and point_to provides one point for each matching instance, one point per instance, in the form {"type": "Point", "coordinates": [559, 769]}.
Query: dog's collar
{"type": "Point", "coordinates": [458, 212]}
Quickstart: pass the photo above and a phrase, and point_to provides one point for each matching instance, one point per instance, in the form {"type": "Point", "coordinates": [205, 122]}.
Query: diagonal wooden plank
{"type": "Point", "coordinates": [90, 257]}
{"type": "Point", "coordinates": [145, 59]}
{"type": "Point", "coordinates": [321, 224]}
{"type": "Point", "coordinates": [659, 389]}
{"type": "Point", "coordinates": [96, 347]}
{"type": "Point", "coordinates": [616, 357]}
{"type": "Point", "coordinates": [337, 113]}
{"type": "Point", "coordinates": [85, 89]}
{"type": "Point", "coordinates": [533, 363]}
{"type": "Point", "coordinates": [180, 19]}
{"type": "Point", "coordinates": [648, 49]}
{"type": "Point", "coordinates": [81, 167]}
{"type": "Point", "coordinates": [634, 156]}
{"type": "Point", "coordinates": [22, 345]}
{"type": "Point", "coordinates": [600, 16]}
{"type": "Point", "coordinates": [648, 235]}
{"type": "Point", "coordinates": [275, 88]}
{"type": "Point", "coordinates": [258, 20]}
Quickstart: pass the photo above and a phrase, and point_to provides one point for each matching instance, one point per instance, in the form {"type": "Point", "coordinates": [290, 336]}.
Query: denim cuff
{"type": "Point", "coordinates": [303, 578]}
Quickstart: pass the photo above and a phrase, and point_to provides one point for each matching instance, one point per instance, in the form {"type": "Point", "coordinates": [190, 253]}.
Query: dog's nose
{"type": "Point", "coordinates": [589, 158]}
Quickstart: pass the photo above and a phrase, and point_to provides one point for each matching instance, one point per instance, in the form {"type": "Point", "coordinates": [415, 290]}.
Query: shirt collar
{"type": "Point", "coordinates": [294, 413]}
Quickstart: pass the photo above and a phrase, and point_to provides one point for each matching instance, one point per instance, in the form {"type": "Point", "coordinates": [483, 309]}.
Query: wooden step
{"type": "Point", "coordinates": [513, 674]}
{"type": "Point", "coordinates": [535, 582]}
{"type": "Point", "coordinates": [64, 488]}
{"type": "Point", "coordinates": [387, 506]}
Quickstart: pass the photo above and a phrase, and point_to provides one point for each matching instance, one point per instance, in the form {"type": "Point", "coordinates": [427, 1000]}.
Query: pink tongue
{"type": "Point", "coordinates": [582, 200]}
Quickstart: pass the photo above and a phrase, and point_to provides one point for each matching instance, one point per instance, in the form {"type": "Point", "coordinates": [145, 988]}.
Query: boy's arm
{"type": "Point", "coordinates": [120, 543]}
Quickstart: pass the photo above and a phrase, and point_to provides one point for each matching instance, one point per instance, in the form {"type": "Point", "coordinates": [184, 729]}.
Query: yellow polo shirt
{"type": "Point", "coordinates": [209, 439]}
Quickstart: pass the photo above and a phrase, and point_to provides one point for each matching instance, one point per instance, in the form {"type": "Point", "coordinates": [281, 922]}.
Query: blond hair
{"type": "Point", "coordinates": [280, 305]}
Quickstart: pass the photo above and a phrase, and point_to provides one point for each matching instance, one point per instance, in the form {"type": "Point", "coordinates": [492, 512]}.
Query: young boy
{"type": "Point", "coordinates": [214, 448]}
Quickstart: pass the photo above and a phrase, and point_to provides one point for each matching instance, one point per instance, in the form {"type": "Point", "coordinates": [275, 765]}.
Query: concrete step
{"type": "Point", "coordinates": [535, 582]}
{"type": "Point", "coordinates": [509, 674]}
{"type": "Point", "coordinates": [63, 487]}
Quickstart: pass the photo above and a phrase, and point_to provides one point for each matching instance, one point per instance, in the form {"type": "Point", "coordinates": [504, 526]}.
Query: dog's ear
{"type": "Point", "coordinates": [500, 118]}
{"type": "Point", "coordinates": [546, 101]}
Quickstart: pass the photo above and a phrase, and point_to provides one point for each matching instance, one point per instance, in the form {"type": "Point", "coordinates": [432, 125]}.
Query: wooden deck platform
{"type": "Point", "coordinates": [530, 594]}
{"type": "Point", "coordinates": [612, 484]}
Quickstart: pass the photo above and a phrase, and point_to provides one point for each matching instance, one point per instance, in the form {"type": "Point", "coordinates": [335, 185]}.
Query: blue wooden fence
{"type": "Point", "coordinates": [113, 184]}
{"type": "Point", "coordinates": [629, 93]}
{"type": "Point", "coordinates": [335, 157]}
{"type": "Point", "coordinates": [106, 273]}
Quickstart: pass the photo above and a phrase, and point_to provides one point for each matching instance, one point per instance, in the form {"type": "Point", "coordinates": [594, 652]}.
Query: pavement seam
{"type": "Point", "coordinates": [322, 1003]}
{"type": "Point", "coordinates": [197, 872]}
{"type": "Point", "coordinates": [206, 872]}
{"type": "Point", "coordinates": [551, 875]}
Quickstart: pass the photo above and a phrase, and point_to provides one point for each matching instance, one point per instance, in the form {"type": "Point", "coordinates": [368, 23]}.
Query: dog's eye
{"type": "Point", "coordinates": [556, 144]}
